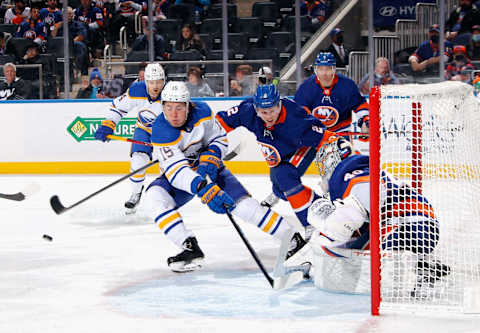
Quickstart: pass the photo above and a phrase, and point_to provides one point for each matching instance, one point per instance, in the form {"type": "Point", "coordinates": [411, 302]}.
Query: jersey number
{"type": "Point", "coordinates": [232, 111]}
{"type": "Point", "coordinates": [165, 153]}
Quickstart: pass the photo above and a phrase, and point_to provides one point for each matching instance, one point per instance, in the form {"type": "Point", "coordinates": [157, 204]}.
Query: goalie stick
{"type": "Point", "coordinates": [59, 208]}
{"type": "Point", "coordinates": [20, 196]}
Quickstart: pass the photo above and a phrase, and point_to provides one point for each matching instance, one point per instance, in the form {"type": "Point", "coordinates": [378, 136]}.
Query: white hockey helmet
{"type": "Point", "coordinates": [154, 72]}
{"type": "Point", "coordinates": [329, 156]}
{"type": "Point", "coordinates": [176, 91]}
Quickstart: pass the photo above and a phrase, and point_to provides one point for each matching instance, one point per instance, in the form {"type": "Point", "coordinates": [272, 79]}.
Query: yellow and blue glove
{"type": "Point", "coordinates": [210, 162]}
{"type": "Point", "coordinates": [213, 196]}
{"type": "Point", "coordinates": [105, 129]}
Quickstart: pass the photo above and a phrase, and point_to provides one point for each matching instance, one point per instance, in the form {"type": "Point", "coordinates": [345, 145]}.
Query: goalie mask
{"type": "Point", "coordinates": [329, 156]}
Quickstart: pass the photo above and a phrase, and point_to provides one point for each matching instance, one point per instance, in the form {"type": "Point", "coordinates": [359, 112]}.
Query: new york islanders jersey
{"type": "Point", "coordinates": [333, 105]}
{"type": "Point", "coordinates": [178, 149]}
{"type": "Point", "coordinates": [398, 200]}
{"type": "Point", "coordinates": [136, 99]}
{"type": "Point", "coordinates": [295, 128]}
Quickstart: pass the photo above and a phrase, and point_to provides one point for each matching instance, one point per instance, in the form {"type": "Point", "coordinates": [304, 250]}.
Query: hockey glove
{"type": "Point", "coordinates": [105, 129]}
{"type": "Point", "coordinates": [210, 162]}
{"type": "Point", "coordinates": [215, 198]}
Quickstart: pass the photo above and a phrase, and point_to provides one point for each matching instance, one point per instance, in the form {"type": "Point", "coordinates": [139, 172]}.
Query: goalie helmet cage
{"type": "Point", "coordinates": [428, 137]}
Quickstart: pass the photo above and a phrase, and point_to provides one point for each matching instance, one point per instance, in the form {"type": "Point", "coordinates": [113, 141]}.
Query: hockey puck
{"type": "Point", "coordinates": [47, 238]}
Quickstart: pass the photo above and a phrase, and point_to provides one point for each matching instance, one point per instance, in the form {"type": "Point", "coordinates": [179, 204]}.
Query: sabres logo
{"type": "Point", "coordinates": [146, 117]}
{"type": "Point", "coordinates": [270, 153]}
{"type": "Point", "coordinates": [326, 114]}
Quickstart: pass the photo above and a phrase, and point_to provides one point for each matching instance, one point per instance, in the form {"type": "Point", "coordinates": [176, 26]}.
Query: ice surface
{"type": "Point", "coordinates": [107, 272]}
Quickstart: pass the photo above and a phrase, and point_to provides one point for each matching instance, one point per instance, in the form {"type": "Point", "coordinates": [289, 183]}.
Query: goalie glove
{"type": "Point", "coordinates": [319, 210]}
{"type": "Point", "coordinates": [105, 129]}
{"type": "Point", "coordinates": [210, 162]}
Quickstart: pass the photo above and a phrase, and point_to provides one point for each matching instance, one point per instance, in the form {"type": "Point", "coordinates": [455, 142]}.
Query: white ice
{"type": "Point", "coordinates": [107, 272]}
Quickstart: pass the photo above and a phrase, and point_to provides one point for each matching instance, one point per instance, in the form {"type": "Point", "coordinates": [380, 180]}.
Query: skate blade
{"type": "Point", "coordinates": [179, 267]}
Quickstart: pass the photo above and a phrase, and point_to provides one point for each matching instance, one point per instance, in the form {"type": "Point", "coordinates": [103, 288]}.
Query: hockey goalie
{"type": "Point", "coordinates": [339, 248]}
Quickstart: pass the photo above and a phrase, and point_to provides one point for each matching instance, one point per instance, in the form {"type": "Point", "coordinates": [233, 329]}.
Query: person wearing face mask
{"type": "Point", "coordinates": [427, 56]}
{"type": "Point", "coordinates": [337, 48]}
{"type": "Point", "coordinates": [94, 88]}
{"type": "Point", "coordinates": [461, 21]}
{"type": "Point", "coordinates": [382, 76]}
{"type": "Point", "coordinates": [460, 64]}
{"type": "Point", "coordinates": [475, 42]}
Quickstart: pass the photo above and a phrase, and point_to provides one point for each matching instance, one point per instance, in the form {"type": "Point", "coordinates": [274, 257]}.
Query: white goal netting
{"type": "Point", "coordinates": [430, 141]}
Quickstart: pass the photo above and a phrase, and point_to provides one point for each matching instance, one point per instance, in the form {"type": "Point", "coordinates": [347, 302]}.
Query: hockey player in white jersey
{"type": "Point", "coordinates": [342, 221]}
{"type": "Point", "coordinates": [143, 98]}
{"type": "Point", "coordinates": [190, 145]}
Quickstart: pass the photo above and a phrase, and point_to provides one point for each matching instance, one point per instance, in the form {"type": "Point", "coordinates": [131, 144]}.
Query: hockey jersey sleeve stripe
{"type": "Point", "coordinates": [172, 143]}
{"type": "Point", "coordinates": [224, 124]}
{"type": "Point", "coordinates": [175, 163]}
{"type": "Point", "coordinates": [298, 156]}
{"type": "Point", "coordinates": [362, 107]}
{"type": "Point", "coordinates": [353, 182]}
{"type": "Point", "coordinates": [171, 174]}
{"type": "Point", "coordinates": [341, 125]}
{"type": "Point", "coordinates": [179, 170]}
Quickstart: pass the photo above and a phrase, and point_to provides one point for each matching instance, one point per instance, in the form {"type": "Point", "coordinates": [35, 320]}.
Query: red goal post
{"type": "Point", "coordinates": [428, 138]}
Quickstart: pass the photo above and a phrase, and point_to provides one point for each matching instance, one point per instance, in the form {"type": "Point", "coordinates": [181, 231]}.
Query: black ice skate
{"type": "Point", "coordinates": [296, 244]}
{"type": "Point", "coordinates": [428, 273]}
{"type": "Point", "coordinates": [189, 259]}
{"type": "Point", "coordinates": [270, 201]}
{"type": "Point", "coordinates": [132, 203]}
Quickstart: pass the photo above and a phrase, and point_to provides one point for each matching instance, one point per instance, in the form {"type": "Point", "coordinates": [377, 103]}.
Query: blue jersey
{"type": "Point", "coordinates": [295, 128]}
{"type": "Point", "coordinates": [90, 15]}
{"type": "Point", "coordinates": [333, 105]}
{"type": "Point", "coordinates": [32, 30]}
{"type": "Point", "coordinates": [426, 50]}
{"type": "Point", "coordinates": [398, 200]}
{"type": "Point", "coordinates": [50, 17]}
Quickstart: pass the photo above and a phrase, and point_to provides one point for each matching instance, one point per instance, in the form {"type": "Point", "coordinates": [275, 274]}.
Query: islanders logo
{"type": "Point", "coordinates": [271, 154]}
{"type": "Point", "coordinates": [326, 114]}
{"type": "Point", "coordinates": [146, 117]}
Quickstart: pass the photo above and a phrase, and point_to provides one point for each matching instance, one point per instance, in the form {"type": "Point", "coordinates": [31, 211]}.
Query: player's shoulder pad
{"type": "Point", "coordinates": [163, 134]}
{"type": "Point", "coordinates": [138, 90]}
{"type": "Point", "coordinates": [200, 113]}
{"type": "Point", "coordinates": [246, 104]}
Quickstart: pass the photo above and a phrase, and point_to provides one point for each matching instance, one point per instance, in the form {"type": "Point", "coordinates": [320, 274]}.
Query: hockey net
{"type": "Point", "coordinates": [427, 136]}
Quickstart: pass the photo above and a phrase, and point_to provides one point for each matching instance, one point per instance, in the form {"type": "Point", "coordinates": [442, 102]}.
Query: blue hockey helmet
{"type": "Point", "coordinates": [325, 59]}
{"type": "Point", "coordinates": [266, 96]}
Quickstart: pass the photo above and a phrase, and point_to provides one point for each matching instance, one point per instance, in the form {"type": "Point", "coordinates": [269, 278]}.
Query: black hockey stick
{"type": "Point", "coordinates": [20, 196]}
{"type": "Point", "coordinates": [16, 197]}
{"type": "Point", "coordinates": [59, 208]}
{"type": "Point", "coordinates": [250, 249]}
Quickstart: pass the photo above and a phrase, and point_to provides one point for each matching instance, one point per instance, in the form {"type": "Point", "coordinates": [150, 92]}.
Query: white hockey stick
{"type": "Point", "coordinates": [31, 189]}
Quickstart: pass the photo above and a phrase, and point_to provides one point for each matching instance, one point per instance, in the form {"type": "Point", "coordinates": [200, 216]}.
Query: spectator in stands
{"type": "Point", "coordinates": [125, 16]}
{"type": "Point", "coordinates": [382, 75]}
{"type": "Point", "coordinates": [92, 17]}
{"type": "Point", "coordinates": [2, 43]}
{"type": "Point", "coordinates": [32, 57]}
{"type": "Point", "coordinates": [94, 88]}
{"type": "Point", "coordinates": [475, 43]}
{"type": "Point", "coordinates": [244, 83]}
{"type": "Point", "coordinates": [196, 84]}
{"type": "Point", "coordinates": [316, 10]}
{"type": "Point", "coordinates": [127, 82]}
{"type": "Point", "coordinates": [13, 87]}
{"type": "Point", "coordinates": [141, 43]}
{"type": "Point", "coordinates": [201, 6]}
{"type": "Point", "coordinates": [189, 40]}
{"type": "Point", "coordinates": [461, 20]}
{"type": "Point", "coordinates": [427, 56]}
{"type": "Point", "coordinates": [460, 63]}
{"type": "Point", "coordinates": [17, 14]}
{"type": "Point", "coordinates": [337, 48]}
{"type": "Point", "coordinates": [51, 15]}
{"type": "Point", "coordinates": [265, 76]}
{"type": "Point", "coordinates": [77, 35]}
{"type": "Point", "coordinates": [33, 28]}
{"type": "Point", "coordinates": [160, 8]}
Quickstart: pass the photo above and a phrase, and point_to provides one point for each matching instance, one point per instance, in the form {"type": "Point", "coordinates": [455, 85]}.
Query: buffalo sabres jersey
{"type": "Point", "coordinates": [178, 149]}
{"type": "Point", "coordinates": [295, 128]}
{"type": "Point", "coordinates": [136, 99]}
{"type": "Point", "coordinates": [333, 105]}
{"type": "Point", "coordinates": [352, 176]}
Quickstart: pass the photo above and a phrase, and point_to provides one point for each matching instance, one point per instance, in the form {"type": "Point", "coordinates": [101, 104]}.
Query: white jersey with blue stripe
{"type": "Point", "coordinates": [136, 99]}
{"type": "Point", "coordinates": [178, 149]}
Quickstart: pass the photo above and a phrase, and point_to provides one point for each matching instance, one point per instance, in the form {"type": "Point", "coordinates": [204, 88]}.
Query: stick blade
{"type": "Point", "coordinates": [57, 206]}
{"type": "Point", "coordinates": [15, 197]}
